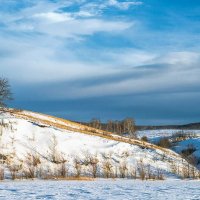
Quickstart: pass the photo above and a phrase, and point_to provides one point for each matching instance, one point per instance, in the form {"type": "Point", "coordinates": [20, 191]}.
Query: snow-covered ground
{"type": "Point", "coordinates": [101, 190]}
{"type": "Point", "coordinates": [23, 137]}
{"type": "Point", "coordinates": [189, 142]}
{"type": "Point", "coordinates": [152, 134]}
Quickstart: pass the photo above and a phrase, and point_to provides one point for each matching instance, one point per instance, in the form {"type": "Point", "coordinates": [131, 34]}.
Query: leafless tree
{"type": "Point", "coordinates": [160, 175]}
{"type": "Point", "coordinates": [93, 160]}
{"type": "Point", "coordinates": [107, 168]}
{"type": "Point", "coordinates": [63, 170]}
{"type": "Point", "coordinates": [129, 127]}
{"type": "Point", "coordinates": [77, 167]}
{"type": "Point", "coordinates": [123, 169]}
{"type": "Point", "coordinates": [133, 172]}
{"type": "Point", "coordinates": [55, 156]}
{"type": "Point", "coordinates": [5, 92]}
{"type": "Point", "coordinates": [31, 164]}
{"type": "Point", "coordinates": [141, 169]}
{"type": "Point", "coordinates": [1, 173]}
{"type": "Point", "coordinates": [14, 168]}
{"type": "Point", "coordinates": [95, 123]}
{"type": "Point", "coordinates": [149, 173]}
{"type": "Point", "coordinates": [58, 158]}
{"type": "Point", "coordinates": [109, 126]}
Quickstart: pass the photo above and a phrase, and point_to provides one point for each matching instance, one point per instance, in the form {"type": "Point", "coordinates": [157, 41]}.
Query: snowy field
{"type": "Point", "coordinates": [101, 189]}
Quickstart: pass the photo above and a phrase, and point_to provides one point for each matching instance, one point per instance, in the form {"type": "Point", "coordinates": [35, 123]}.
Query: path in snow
{"type": "Point", "coordinates": [101, 190]}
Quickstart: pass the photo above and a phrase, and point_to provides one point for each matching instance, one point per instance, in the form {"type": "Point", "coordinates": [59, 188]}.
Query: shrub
{"type": "Point", "coordinates": [77, 167]}
{"type": "Point", "coordinates": [107, 169]}
{"type": "Point", "coordinates": [164, 142]}
{"type": "Point", "coordinates": [1, 173]}
{"type": "Point", "coordinates": [188, 151]}
{"type": "Point", "coordinates": [144, 138]}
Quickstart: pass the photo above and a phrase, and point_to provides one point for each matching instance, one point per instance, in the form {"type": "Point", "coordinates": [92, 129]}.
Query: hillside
{"type": "Point", "coordinates": [184, 142]}
{"type": "Point", "coordinates": [45, 146]}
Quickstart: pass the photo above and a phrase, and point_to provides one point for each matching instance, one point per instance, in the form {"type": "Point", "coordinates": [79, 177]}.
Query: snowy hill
{"type": "Point", "coordinates": [37, 145]}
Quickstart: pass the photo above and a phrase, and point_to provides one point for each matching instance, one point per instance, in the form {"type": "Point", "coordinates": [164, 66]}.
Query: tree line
{"type": "Point", "coordinates": [126, 126]}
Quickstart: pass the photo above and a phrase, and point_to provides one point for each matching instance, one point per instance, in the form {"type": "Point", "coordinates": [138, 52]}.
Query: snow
{"type": "Point", "coordinates": [193, 142]}
{"type": "Point", "coordinates": [152, 134]}
{"type": "Point", "coordinates": [155, 135]}
{"type": "Point", "coordinates": [25, 135]}
{"type": "Point", "coordinates": [100, 189]}
{"type": "Point", "coordinates": [28, 136]}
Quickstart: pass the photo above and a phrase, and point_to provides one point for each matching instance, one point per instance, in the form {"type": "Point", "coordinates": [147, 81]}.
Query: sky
{"type": "Point", "coordinates": [105, 59]}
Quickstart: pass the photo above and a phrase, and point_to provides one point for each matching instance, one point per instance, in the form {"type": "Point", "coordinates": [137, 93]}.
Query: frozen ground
{"type": "Point", "coordinates": [101, 189]}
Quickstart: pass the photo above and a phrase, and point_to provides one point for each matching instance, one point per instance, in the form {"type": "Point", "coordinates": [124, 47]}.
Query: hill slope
{"type": "Point", "coordinates": [82, 149]}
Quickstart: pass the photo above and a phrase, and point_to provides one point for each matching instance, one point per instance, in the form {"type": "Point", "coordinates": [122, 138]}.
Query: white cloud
{"type": "Point", "coordinates": [53, 17]}
{"type": "Point", "coordinates": [42, 59]}
{"type": "Point", "coordinates": [124, 5]}
{"type": "Point", "coordinates": [181, 58]}
{"type": "Point", "coordinates": [76, 27]}
{"type": "Point", "coordinates": [45, 18]}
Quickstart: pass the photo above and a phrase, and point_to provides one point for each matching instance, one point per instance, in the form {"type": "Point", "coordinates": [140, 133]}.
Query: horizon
{"type": "Point", "coordinates": [103, 59]}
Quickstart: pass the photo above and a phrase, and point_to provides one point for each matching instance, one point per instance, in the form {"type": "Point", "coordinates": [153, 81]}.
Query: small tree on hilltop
{"type": "Point", "coordinates": [5, 92]}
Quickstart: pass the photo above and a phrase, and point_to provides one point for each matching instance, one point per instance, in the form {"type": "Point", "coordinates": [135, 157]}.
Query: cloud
{"type": "Point", "coordinates": [52, 17]}
{"type": "Point", "coordinates": [121, 80]}
{"type": "Point", "coordinates": [124, 5]}
{"type": "Point", "coordinates": [46, 18]}
{"type": "Point", "coordinates": [74, 27]}
{"type": "Point", "coordinates": [181, 58]}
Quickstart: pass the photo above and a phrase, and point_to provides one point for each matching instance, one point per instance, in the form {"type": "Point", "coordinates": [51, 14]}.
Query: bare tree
{"type": "Point", "coordinates": [31, 164]}
{"type": "Point", "coordinates": [63, 170]}
{"type": "Point", "coordinates": [107, 168]}
{"type": "Point", "coordinates": [1, 173]}
{"type": "Point", "coordinates": [94, 165]}
{"type": "Point", "coordinates": [123, 169]}
{"type": "Point", "coordinates": [109, 126]}
{"type": "Point", "coordinates": [5, 92]}
{"type": "Point", "coordinates": [95, 123]}
{"type": "Point", "coordinates": [141, 169]}
{"type": "Point", "coordinates": [92, 161]}
{"type": "Point", "coordinates": [77, 167]}
{"type": "Point", "coordinates": [14, 168]}
{"type": "Point", "coordinates": [58, 158]}
{"type": "Point", "coordinates": [160, 175]}
{"type": "Point", "coordinates": [55, 155]}
{"type": "Point", "coordinates": [129, 127]}
{"type": "Point", "coordinates": [133, 172]}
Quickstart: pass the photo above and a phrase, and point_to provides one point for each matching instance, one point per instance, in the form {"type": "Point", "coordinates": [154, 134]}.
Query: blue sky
{"type": "Point", "coordinates": [105, 58]}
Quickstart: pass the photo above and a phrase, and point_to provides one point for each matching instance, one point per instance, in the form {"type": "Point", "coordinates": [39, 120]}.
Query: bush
{"type": "Point", "coordinates": [164, 142]}
{"type": "Point", "coordinates": [190, 149]}
{"type": "Point", "coordinates": [1, 173]}
{"type": "Point", "coordinates": [144, 138]}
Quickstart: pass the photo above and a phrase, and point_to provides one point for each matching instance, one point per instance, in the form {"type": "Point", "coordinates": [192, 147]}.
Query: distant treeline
{"type": "Point", "coordinates": [126, 126]}
{"type": "Point", "coordinates": [192, 126]}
